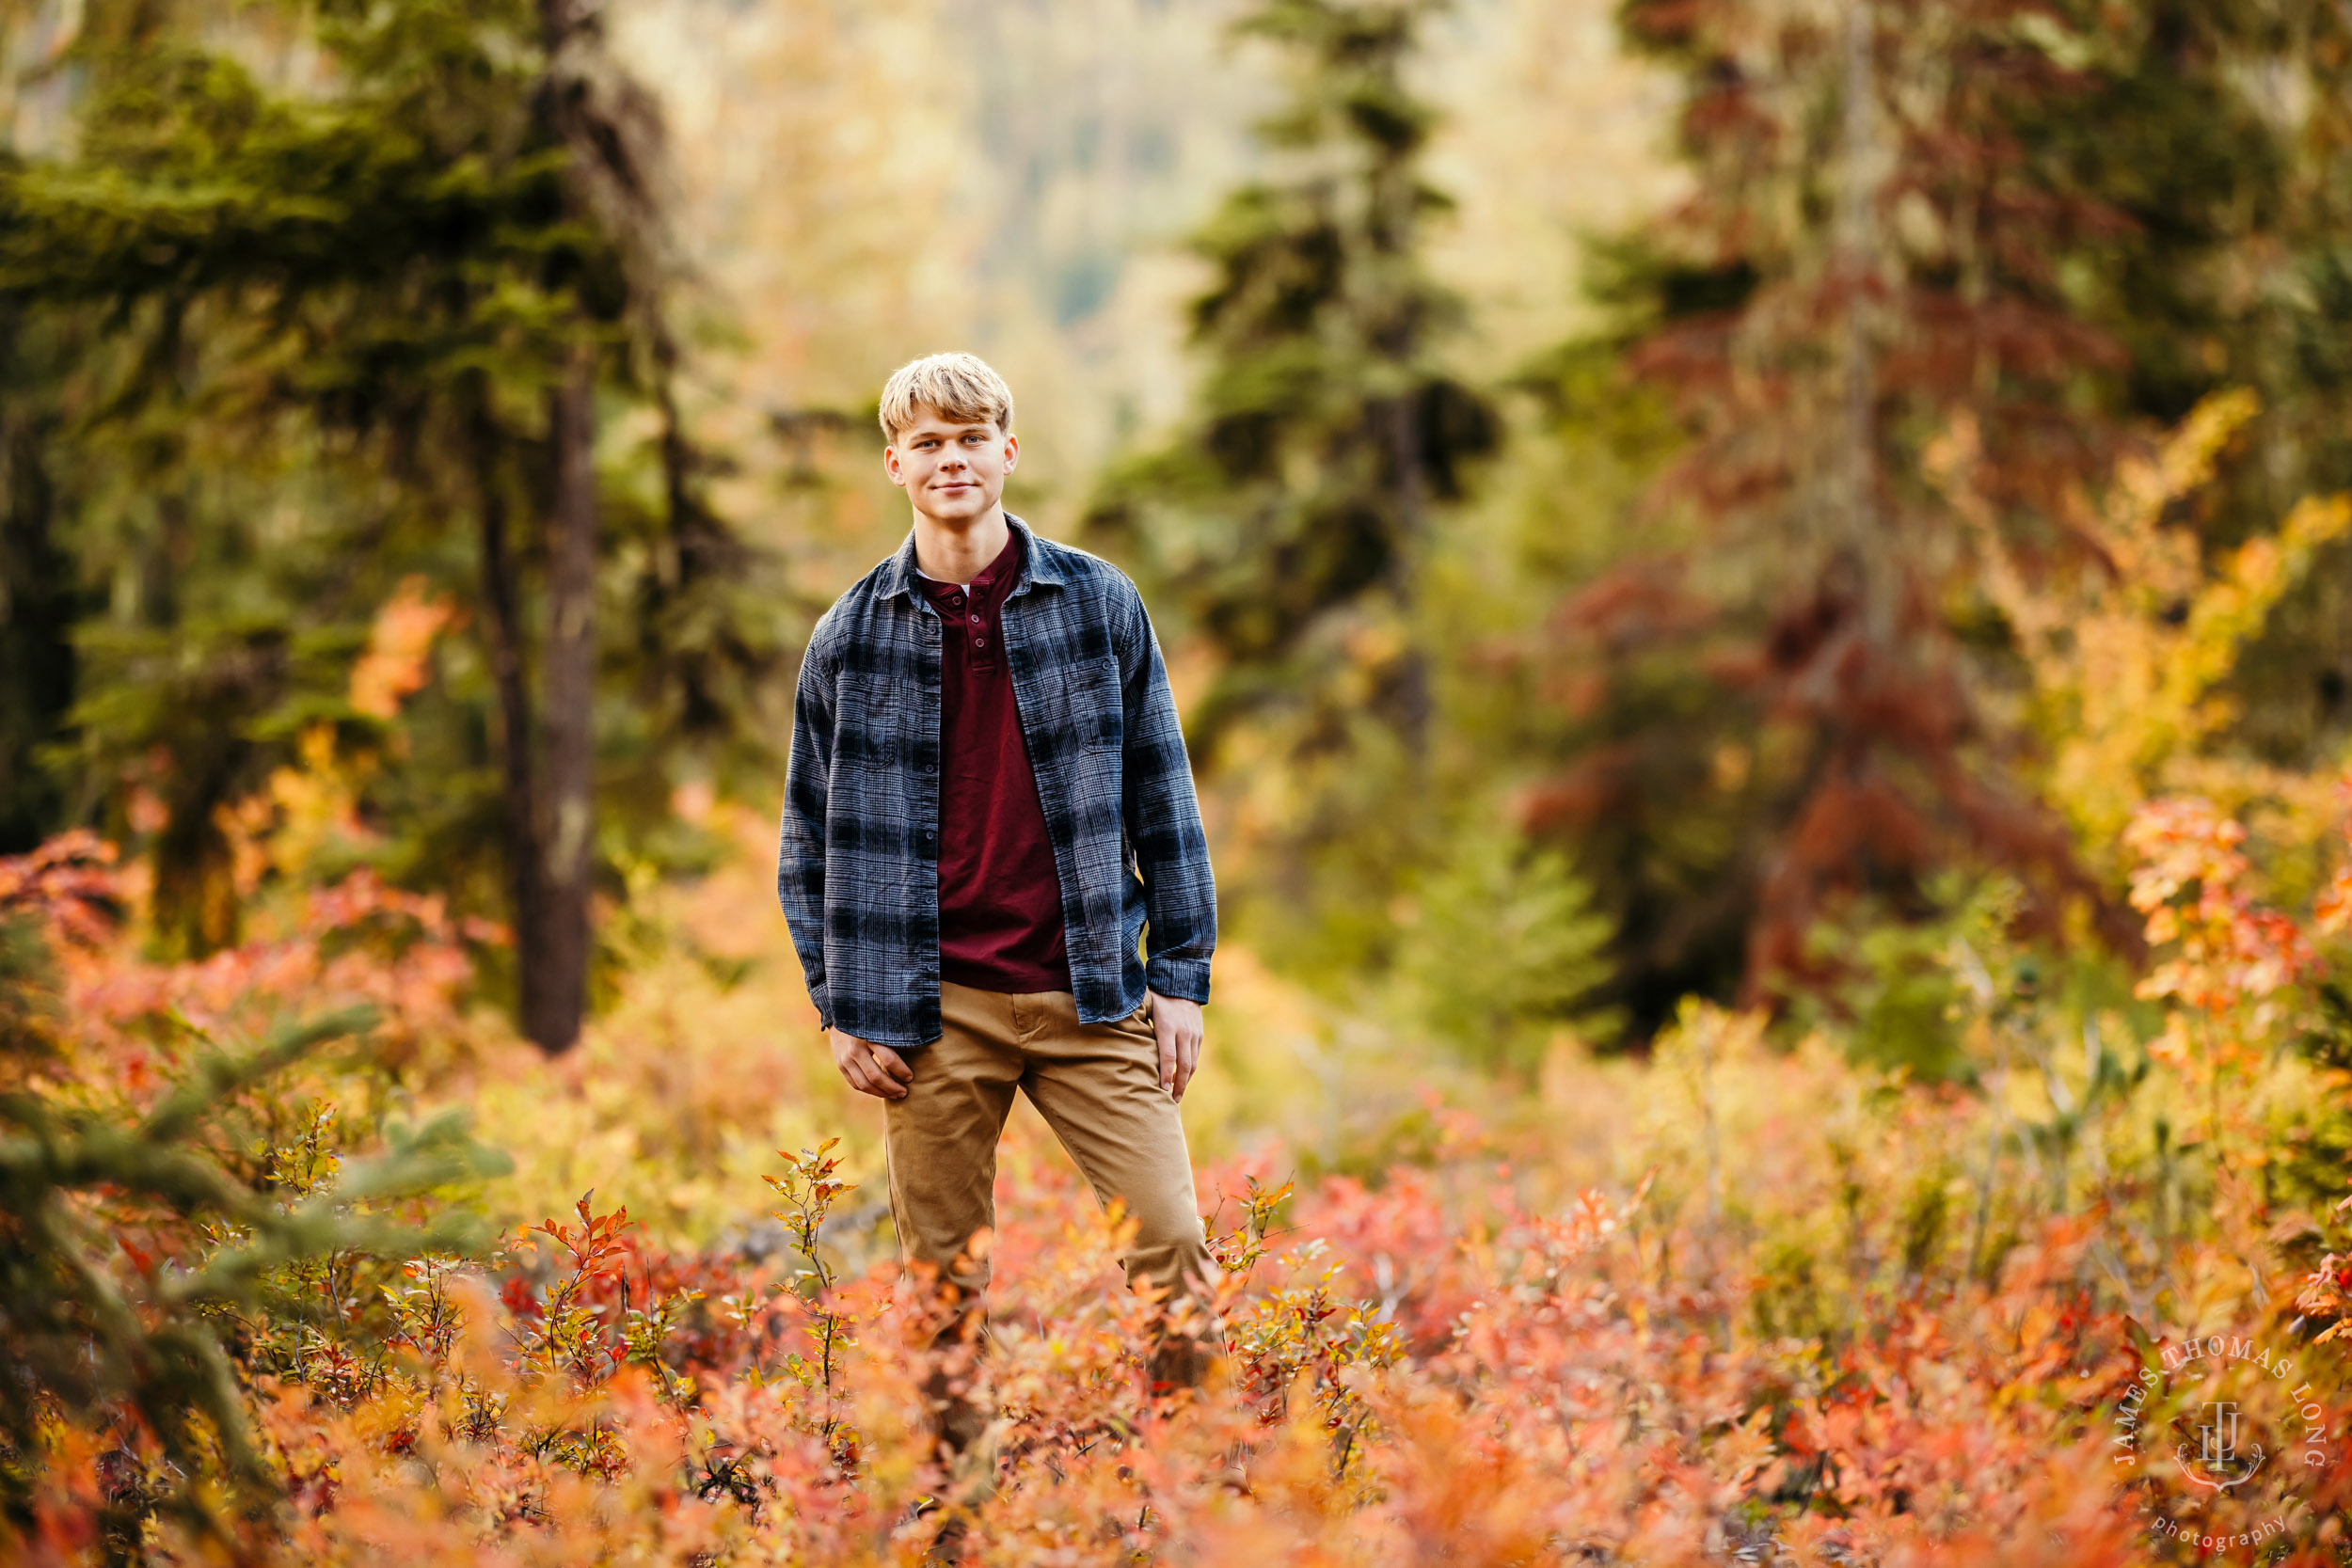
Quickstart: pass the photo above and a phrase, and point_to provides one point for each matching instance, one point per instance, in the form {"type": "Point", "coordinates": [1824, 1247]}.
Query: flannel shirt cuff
{"type": "Point", "coordinates": [1186, 979]}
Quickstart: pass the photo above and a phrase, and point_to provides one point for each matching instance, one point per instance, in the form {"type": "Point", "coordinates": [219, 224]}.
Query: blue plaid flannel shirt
{"type": "Point", "coordinates": [858, 871]}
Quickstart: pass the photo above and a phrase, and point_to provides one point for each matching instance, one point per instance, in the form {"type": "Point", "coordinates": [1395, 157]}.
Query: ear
{"type": "Point", "coordinates": [890, 465]}
{"type": "Point", "coordinates": [1013, 452]}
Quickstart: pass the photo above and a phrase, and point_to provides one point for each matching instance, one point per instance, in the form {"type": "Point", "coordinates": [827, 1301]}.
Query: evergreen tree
{"type": "Point", "coordinates": [1287, 523]}
{"type": "Point", "coordinates": [348, 337]}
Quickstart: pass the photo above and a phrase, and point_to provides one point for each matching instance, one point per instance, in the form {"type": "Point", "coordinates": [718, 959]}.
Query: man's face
{"type": "Point", "coordinates": [952, 472]}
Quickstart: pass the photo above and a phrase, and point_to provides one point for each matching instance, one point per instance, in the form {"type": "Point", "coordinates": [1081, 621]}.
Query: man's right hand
{"type": "Point", "coordinates": [872, 1069]}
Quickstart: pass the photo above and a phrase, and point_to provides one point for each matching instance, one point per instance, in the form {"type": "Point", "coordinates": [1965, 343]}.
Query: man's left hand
{"type": "Point", "coordinates": [1176, 1023]}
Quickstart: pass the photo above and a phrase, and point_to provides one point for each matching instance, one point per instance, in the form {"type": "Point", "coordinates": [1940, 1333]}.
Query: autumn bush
{"type": "Point", "coordinates": [267, 1300]}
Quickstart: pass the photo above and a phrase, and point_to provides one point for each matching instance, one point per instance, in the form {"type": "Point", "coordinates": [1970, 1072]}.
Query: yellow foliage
{"type": "Point", "coordinates": [2129, 644]}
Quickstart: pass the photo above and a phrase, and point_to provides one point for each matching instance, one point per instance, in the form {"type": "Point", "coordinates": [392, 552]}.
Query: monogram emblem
{"type": "Point", "coordinates": [2218, 1464]}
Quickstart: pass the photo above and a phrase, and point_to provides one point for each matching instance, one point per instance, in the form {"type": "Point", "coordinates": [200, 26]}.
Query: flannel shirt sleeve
{"type": "Point", "coordinates": [800, 847]}
{"type": "Point", "coordinates": [1163, 817]}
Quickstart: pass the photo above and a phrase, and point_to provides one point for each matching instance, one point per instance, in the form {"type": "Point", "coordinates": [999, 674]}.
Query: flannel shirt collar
{"type": "Point", "coordinates": [901, 576]}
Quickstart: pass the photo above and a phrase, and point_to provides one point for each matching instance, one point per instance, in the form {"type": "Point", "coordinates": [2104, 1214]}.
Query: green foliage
{"type": "Point", "coordinates": [1499, 946]}
{"type": "Point", "coordinates": [209, 1238]}
{"type": "Point", "coordinates": [1900, 998]}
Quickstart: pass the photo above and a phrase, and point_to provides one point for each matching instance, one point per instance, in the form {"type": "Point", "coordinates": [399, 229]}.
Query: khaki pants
{"type": "Point", "coordinates": [1097, 1086]}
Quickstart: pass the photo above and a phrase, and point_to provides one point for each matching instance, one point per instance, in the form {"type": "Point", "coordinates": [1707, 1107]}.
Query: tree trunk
{"type": "Point", "coordinates": [1401, 421]}
{"type": "Point", "coordinates": [502, 624]}
{"type": "Point", "coordinates": [558, 995]}
{"type": "Point", "coordinates": [40, 601]}
{"type": "Point", "coordinates": [1858, 269]}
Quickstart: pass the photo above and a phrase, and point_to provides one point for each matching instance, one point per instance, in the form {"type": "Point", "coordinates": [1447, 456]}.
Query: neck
{"type": "Point", "coordinates": [959, 551]}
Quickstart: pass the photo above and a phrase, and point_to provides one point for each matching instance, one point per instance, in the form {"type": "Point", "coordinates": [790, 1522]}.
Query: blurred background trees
{"type": "Point", "coordinates": [2052, 233]}
{"type": "Point", "coordinates": [345, 332]}
{"type": "Point", "coordinates": [1598, 472]}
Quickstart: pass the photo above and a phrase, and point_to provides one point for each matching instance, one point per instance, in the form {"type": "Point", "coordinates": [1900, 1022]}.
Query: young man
{"type": "Point", "coordinates": [989, 812]}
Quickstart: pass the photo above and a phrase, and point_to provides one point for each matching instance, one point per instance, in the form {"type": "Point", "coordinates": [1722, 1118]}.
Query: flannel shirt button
{"type": "Point", "coordinates": [931, 768]}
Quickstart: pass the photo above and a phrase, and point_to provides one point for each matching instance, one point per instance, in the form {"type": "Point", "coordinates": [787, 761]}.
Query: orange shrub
{"type": "Point", "coordinates": [1742, 1351]}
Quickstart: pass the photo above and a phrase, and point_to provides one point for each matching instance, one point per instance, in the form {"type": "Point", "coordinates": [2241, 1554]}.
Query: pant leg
{"type": "Point", "coordinates": [1098, 1087]}
{"type": "Point", "coordinates": [942, 1137]}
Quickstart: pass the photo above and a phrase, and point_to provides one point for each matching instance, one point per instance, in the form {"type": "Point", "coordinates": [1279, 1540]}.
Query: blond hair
{"type": "Point", "coordinates": [960, 387]}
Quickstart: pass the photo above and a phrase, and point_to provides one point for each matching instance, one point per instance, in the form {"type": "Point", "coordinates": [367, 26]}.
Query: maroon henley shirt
{"type": "Point", "coordinates": [1000, 924]}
